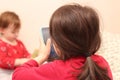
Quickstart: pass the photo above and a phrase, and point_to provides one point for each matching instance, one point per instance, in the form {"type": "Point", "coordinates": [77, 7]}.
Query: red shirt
{"type": "Point", "coordinates": [8, 54]}
{"type": "Point", "coordinates": [56, 70]}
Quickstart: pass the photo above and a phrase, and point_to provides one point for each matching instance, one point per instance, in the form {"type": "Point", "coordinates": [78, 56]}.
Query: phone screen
{"type": "Point", "coordinates": [45, 36]}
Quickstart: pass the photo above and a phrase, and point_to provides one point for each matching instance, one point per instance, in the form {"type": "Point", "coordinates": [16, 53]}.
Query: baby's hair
{"type": "Point", "coordinates": [9, 17]}
{"type": "Point", "coordinates": [74, 30]}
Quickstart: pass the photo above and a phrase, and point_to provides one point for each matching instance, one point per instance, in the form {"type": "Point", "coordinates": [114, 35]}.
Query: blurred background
{"type": "Point", "coordinates": [36, 13]}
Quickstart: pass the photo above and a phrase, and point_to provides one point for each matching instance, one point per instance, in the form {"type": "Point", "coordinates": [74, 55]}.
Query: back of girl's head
{"type": "Point", "coordinates": [7, 18]}
{"type": "Point", "coordinates": [74, 30]}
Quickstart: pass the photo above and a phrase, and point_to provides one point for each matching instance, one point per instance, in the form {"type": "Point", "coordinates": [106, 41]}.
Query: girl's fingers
{"type": "Point", "coordinates": [48, 45]}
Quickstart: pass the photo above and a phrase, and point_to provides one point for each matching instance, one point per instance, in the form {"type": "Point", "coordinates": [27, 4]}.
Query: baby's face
{"type": "Point", "coordinates": [10, 33]}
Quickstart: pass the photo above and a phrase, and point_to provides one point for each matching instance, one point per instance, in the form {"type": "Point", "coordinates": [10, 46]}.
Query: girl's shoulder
{"type": "Point", "coordinates": [96, 57]}
{"type": "Point", "coordinates": [100, 60]}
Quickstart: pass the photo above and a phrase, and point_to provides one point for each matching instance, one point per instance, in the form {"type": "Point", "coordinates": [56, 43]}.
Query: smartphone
{"type": "Point", "coordinates": [45, 35]}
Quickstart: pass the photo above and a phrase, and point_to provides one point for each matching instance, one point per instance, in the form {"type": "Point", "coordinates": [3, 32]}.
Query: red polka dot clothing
{"type": "Point", "coordinates": [8, 54]}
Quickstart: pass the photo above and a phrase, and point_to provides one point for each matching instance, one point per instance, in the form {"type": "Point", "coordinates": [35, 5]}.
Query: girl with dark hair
{"type": "Point", "coordinates": [75, 35]}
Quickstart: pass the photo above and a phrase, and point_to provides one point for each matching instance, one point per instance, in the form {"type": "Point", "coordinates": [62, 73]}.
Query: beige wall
{"type": "Point", "coordinates": [36, 13]}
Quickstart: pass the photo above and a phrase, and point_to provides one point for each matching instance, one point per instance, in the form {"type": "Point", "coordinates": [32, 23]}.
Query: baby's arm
{"type": "Point", "coordinates": [26, 55]}
{"type": "Point", "coordinates": [9, 58]}
{"type": "Point", "coordinates": [25, 51]}
{"type": "Point", "coordinates": [6, 62]}
{"type": "Point", "coordinates": [21, 61]}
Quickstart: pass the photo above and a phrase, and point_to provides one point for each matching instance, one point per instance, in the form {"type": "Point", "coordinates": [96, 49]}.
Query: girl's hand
{"type": "Point", "coordinates": [43, 52]}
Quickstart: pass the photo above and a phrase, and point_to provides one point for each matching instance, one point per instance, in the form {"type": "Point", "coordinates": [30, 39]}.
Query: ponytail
{"type": "Point", "coordinates": [91, 71]}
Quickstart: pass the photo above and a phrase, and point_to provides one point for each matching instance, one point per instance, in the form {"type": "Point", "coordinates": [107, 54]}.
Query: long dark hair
{"type": "Point", "coordinates": [74, 30]}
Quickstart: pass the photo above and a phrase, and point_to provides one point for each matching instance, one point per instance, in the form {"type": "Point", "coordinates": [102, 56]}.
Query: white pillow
{"type": "Point", "coordinates": [110, 50]}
